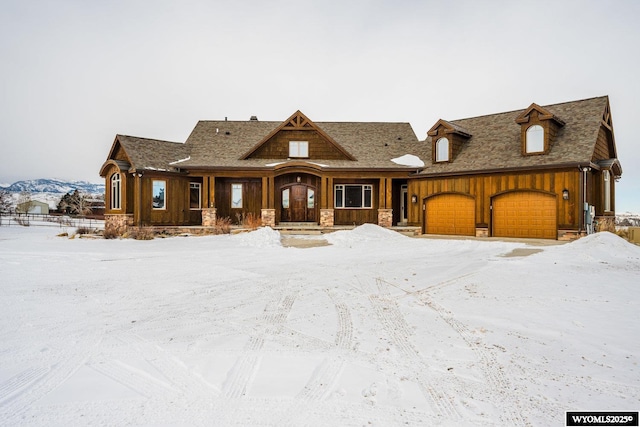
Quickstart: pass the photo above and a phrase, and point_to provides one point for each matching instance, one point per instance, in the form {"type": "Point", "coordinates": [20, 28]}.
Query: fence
{"type": "Point", "coordinates": [36, 220]}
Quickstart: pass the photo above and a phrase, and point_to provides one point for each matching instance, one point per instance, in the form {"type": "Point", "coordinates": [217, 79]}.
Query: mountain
{"type": "Point", "coordinates": [54, 186]}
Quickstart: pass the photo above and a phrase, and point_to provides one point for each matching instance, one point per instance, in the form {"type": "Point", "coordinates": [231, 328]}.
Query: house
{"type": "Point", "coordinates": [543, 172]}
{"type": "Point", "coordinates": [33, 207]}
{"type": "Point", "coordinates": [538, 172]}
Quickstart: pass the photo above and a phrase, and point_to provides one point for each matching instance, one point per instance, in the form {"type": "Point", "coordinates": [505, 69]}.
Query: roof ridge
{"type": "Point", "coordinates": [523, 109]}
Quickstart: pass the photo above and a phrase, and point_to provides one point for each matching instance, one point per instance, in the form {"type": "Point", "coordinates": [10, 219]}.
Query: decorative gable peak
{"type": "Point", "coordinates": [541, 114]}
{"type": "Point", "coordinates": [298, 137]}
{"type": "Point", "coordinates": [448, 128]}
{"type": "Point", "coordinates": [298, 121]}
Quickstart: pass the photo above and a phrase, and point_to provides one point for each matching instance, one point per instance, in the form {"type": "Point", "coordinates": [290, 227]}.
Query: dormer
{"type": "Point", "coordinates": [447, 140]}
{"type": "Point", "coordinates": [538, 130]}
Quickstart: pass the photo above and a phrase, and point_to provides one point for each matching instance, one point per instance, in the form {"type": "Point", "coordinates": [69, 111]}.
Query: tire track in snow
{"type": "Point", "coordinates": [55, 376]}
{"type": "Point", "coordinates": [141, 383]}
{"type": "Point", "coordinates": [492, 370]}
{"type": "Point", "coordinates": [395, 325]}
{"type": "Point", "coordinates": [271, 322]}
{"type": "Point", "coordinates": [20, 381]}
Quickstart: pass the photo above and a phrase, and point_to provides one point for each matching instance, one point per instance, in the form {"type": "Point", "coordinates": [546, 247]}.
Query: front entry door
{"type": "Point", "coordinates": [298, 203]}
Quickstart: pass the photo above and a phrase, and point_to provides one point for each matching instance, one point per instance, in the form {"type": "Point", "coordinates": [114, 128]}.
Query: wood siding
{"type": "Point", "coordinates": [484, 187]}
{"type": "Point", "coordinates": [251, 198]}
{"type": "Point", "coordinates": [278, 146]}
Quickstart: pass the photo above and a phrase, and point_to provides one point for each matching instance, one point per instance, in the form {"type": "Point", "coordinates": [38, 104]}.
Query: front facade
{"type": "Point", "coordinates": [539, 172]}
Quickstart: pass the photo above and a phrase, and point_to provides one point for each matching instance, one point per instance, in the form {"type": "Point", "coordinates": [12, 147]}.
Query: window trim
{"type": "Point", "coordinates": [295, 149]}
{"type": "Point", "coordinates": [529, 131]}
{"type": "Point", "coordinates": [439, 142]}
{"type": "Point", "coordinates": [116, 192]}
{"type": "Point", "coordinates": [164, 195]}
{"type": "Point", "coordinates": [193, 185]}
{"type": "Point", "coordinates": [234, 187]}
{"type": "Point", "coordinates": [339, 202]}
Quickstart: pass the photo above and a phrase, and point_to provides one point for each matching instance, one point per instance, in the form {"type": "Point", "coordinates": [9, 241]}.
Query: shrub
{"type": "Point", "coordinates": [140, 233]}
{"type": "Point", "coordinates": [84, 230]}
{"type": "Point", "coordinates": [251, 221]}
{"type": "Point", "coordinates": [110, 234]}
{"type": "Point", "coordinates": [223, 226]}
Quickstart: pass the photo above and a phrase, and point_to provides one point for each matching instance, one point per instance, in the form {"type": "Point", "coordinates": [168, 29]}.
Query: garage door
{"type": "Point", "coordinates": [450, 214]}
{"type": "Point", "coordinates": [525, 214]}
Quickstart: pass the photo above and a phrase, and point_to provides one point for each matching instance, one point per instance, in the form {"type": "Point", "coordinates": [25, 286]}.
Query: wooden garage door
{"type": "Point", "coordinates": [450, 214]}
{"type": "Point", "coordinates": [525, 214]}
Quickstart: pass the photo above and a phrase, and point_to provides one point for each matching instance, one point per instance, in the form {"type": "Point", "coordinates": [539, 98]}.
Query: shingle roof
{"type": "Point", "coordinates": [152, 154]}
{"type": "Point", "coordinates": [373, 145]}
{"type": "Point", "coordinates": [495, 141]}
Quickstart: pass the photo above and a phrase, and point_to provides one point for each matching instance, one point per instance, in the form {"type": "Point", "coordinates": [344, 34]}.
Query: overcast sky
{"type": "Point", "coordinates": [76, 73]}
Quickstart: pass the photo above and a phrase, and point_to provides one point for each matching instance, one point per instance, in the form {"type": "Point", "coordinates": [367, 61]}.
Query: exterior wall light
{"type": "Point", "coordinates": [565, 194]}
{"type": "Point", "coordinates": [414, 199]}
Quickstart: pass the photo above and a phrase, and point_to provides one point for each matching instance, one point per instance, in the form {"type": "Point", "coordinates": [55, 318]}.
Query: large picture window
{"type": "Point", "coordinates": [159, 195]}
{"type": "Point", "coordinates": [116, 192]}
{"type": "Point", "coordinates": [353, 196]}
{"type": "Point", "coordinates": [236, 196]}
{"type": "Point", "coordinates": [195, 195]}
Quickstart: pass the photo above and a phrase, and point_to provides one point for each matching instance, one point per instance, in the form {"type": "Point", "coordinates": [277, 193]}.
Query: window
{"type": "Point", "coordinates": [159, 195]}
{"type": "Point", "coordinates": [285, 198]}
{"type": "Point", "coordinates": [311, 201]}
{"type": "Point", "coordinates": [442, 150]}
{"type": "Point", "coordinates": [606, 176]}
{"type": "Point", "coordinates": [353, 196]}
{"type": "Point", "coordinates": [194, 195]}
{"type": "Point", "coordinates": [535, 139]}
{"type": "Point", "coordinates": [116, 191]}
{"type": "Point", "coordinates": [236, 196]}
{"type": "Point", "coordinates": [298, 148]}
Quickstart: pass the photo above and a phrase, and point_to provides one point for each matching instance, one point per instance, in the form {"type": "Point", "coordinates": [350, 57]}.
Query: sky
{"type": "Point", "coordinates": [75, 73]}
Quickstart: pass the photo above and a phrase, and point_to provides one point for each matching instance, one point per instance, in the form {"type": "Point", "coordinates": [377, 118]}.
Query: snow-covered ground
{"type": "Point", "coordinates": [374, 329]}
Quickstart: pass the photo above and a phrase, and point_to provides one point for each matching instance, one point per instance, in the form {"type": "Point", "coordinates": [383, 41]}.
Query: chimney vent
{"type": "Point", "coordinates": [254, 118]}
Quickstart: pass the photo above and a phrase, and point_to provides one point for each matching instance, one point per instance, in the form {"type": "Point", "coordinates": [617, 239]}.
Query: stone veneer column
{"type": "Point", "coordinates": [326, 218]}
{"type": "Point", "coordinates": [117, 224]}
{"type": "Point", "coordinates": [209, 217]}
{"type": "Point", "coordinates": [385, 217]}
{"type": "Point", "coordinates": [268, 217]}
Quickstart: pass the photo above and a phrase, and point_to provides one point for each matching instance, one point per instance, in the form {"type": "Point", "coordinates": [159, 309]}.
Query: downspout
{"type": "Point", "coordinates": [585, 204]}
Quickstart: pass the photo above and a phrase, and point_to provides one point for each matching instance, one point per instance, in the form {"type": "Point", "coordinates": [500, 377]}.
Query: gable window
{"type": "Point", "coordinates": [236, 196]}
{"type": "Point", "coordinates": [116, 188]}
{"type": "Point", "coordinates": [442, 150]}
{"type": "Point", "coordinates": [606, 176]}
{"type": "Point", "coordinates": [159, 195]}
{"type": "Point", "coordinates": [535, 139]}
{"type": "Point", "coordinates": [353, 196]}
{"type": "Point", "coordinates": [298, 148]}
{"type": "Point", "coordinates": [194, 195]}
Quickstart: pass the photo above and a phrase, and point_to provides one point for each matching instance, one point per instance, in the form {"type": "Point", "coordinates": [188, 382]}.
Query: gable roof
{"type": "Point", "coordinates": [298, 121]}
{"type": "Point", "coordinates": [495, 142]}
{"type": "Point", "coordinates": [372, 145]}
{"type": "Point", "coordinates": [147, 154]}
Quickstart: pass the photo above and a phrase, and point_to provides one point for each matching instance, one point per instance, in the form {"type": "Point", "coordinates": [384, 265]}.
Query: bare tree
{"type": "Point", "coordinates": [5, 201]}
{"type": "Point", "coordinates": [25, 203]}
{"type": "Point", "coordinates": [75, 203]}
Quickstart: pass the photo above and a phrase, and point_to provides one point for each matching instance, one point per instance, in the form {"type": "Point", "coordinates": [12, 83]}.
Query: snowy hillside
{"type": "Point", "coordinates": [54, 186]}
{"type": "Point", "coordinates": [374, 329]}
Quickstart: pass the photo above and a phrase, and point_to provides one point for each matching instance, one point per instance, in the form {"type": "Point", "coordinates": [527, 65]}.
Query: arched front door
{"type": "Point", "coordinates": [298, 203]}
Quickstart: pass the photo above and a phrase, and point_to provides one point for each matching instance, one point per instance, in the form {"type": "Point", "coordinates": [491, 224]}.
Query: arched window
{"type": "Point", "coordinates": [535, 139]}
{"type": "Point", "coordinates": [116, 193]}
{"type": "Point", "coordinates": [442, 150]}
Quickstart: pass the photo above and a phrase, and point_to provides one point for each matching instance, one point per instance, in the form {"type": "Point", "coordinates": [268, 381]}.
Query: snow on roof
{"type": "Point", "coordinates": [408, 160]}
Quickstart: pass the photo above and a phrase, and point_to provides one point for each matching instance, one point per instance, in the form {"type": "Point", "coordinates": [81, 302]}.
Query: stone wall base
{"type": "Point", "coordinates": [326, 218]}
{"type": "Point", "coordinates": [117, 224]}
{"type": "Point", "coordinates": [482, 232]}
{"type": "Point", "coordinates": [385, 217]}
{"type": "Point", "coordinates": [268, 217]}
{"type": "Point", "coordinates": [209, 217]}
